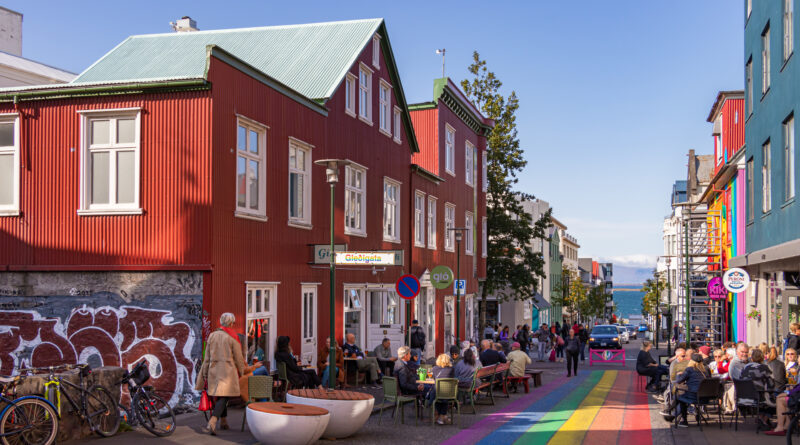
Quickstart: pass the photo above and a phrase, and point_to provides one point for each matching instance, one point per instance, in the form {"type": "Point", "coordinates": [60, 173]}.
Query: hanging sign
{"type": "Point", "coordinates": [407, 287]}
{"type": "Point", "coordinates": [716, 291]}
{"type": "Point", "coordinates": [322, 252]}
{"type": "Point", "coordinates": [441, 277]}
{"type": "Point", "coordinates": [736, 280]}
{"type": "Point", "coordinates": [365, 258]}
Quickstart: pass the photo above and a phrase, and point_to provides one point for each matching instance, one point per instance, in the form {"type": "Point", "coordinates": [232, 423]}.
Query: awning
{"type": "Point", "coordinates": [540, 303]}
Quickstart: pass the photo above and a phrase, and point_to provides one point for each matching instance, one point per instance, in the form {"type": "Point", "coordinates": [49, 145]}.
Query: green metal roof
{"type": "Point", "coordinates": [311, 58]}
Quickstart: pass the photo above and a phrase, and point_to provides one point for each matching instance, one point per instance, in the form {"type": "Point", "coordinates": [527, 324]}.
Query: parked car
{"type": "Point", "coordinates": [604, 337]}
{"type": "Point", "coordinates": [642, 327]}
{"type": "Point", "coordinates": [632, 331]}
{"type": "Point", "coordinates": [623, 335]}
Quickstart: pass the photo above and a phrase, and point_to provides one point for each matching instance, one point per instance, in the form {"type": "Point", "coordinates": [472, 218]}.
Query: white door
{"type": "Point", "coordinates": [470, 315]}
{"type": "Point", "coordinates": [354, 315]}
{"type": "Point", "coordinates": [385, 318]}
{"type": "Point", "coordinates": [260, 323]}
{"type": "Point", "coordinates": [309, 325]}
{"type": "Point", "coordinates": [425, 311]}
{"type": "Point", "coordinates": [449, 321]}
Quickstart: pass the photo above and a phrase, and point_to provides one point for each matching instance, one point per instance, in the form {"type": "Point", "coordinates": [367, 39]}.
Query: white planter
{"type": "Point", "coordinates": [347, 416]}
{"type": "Point", "coordinates": [286, 429]}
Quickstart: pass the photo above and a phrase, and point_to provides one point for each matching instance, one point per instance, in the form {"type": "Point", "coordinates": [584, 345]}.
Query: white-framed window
{"type": "Point", "coordinates": [748, 70]}
{"type": "Point", "coordinates": [469, 163]}
{"type": "Point", "coordinates": [391, 210]}
{"type": "Point", "coordinates": [350, 94]}
{"type": "Point", "coordinates": [484, 171]}
{"type": "Point", "coordinates": [251, 177]}
{"type": "Point", "coordinates": [750, 191]}
{"type": "Point", "coordinates": [484, 238]}
{"type": "Point", "coordinates": [449, 225]}
{"type": "Point", "coordinates": [788, 157]}
{"type": "Point", "coordinates": [765, 68]}
{"type": "Point", "coordinates": [766, 180]}
{"type": "Point", "coordinates": [365, 94]}
{"type": "Point", "coordinates": [432, 222]}
{"type": "Point", "coordinates": [355, 200]}
{"type": "Point", "coordinates": [450, 149]}
{"type": "Point", "coordinates": [110, 153]}
{"type": "Point", "coordinates": [419, 219]}
{"type": "Point", "coordinates": [385, 108]}
{"type": "Point", "coordinates": [788, 22]}
{"type": "Point", "coordinates": [299, 182]}
{"type": "Point", "coordinates": [261, 302]}
{"type": "Point", "coordinates": [9, 165]}
{"type": "Point", "coordinates": [376, 51]}
{"type": "Point", "coordinates": [469, 238]}
{"type": "Point", "coordinates": [398, 123]}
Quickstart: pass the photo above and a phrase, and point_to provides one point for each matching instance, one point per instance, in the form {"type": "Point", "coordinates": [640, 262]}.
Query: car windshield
{"type": "Point", "coordinates": [605, 330]}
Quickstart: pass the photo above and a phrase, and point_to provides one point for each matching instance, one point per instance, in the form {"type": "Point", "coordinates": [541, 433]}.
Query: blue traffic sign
{"type": "Point", "coordinates": [407, 286]}
{"type": "Point", "coordinates": [459, 286]}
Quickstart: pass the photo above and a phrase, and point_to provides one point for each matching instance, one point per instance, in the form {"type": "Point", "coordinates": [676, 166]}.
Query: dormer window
{"type": "Point", "coordinates": [376, 51]}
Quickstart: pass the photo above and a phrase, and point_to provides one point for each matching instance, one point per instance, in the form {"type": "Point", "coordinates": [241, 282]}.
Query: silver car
{"type": "Point", "coordinates": [623, 335]}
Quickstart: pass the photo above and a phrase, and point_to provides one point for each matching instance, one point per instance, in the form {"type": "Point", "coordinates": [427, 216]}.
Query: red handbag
{"type": "Point", "coordinates": [205, 402]}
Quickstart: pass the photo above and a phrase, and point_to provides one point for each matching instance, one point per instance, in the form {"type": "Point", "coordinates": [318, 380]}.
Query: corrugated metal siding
{"type": "Point", "coordinates": [174, 187]}
{"type": "Point", "coordinates": [426, 128]}
{"type": "Point", "coordinates": [733, 123]}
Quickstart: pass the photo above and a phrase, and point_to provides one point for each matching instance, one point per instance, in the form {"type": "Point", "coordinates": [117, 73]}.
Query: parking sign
{"type": "Point", "coordinates": [459, 286]}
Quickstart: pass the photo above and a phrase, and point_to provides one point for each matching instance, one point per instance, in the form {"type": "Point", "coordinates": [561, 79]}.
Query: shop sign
{"type": "Point", "coordinates": [378, 258]}
{"type": "Point", "coordinates": [715, 289]}
{"type": "Point", "coordinates": [322, 252]}
{"type": "Point", "coordinates": [736, 280]}
{"type": "Point", "coordinates": [441, 277]}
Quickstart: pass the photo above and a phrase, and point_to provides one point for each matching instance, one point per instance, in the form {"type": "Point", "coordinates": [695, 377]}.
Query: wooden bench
{"type": "Point", "coordinates": [484, 379]}
{"type": "Point", "coordinates": [501, 376]}
{"type": "Point", "coordinates": [537, 378]}
{"type": "Point", "coordinates": [269, 421]}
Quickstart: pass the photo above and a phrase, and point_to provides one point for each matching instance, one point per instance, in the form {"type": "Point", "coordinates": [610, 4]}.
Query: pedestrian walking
{"type": "Point", "coordinates": [572, 346]}
{"type": "Point", "coordinates": [222, 366]}
{"type": "Point", "coordinates": [418, 339]}
{"type": "Point", "coordinates": [524, 338]}
{"type": "Point", "coordinates": [543, 336]}
{"type": "Point", "coordinates": [583, 337]}
{"type": "Point", "coordinates": [488, 332]}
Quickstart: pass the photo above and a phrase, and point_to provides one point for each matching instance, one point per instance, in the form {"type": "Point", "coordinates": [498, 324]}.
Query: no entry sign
{"type": "Point", "coordinates": [407, 287]}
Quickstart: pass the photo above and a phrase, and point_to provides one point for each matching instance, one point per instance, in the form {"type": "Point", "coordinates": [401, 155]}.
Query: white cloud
{"type": "Point", "coordinates": [638, 260]}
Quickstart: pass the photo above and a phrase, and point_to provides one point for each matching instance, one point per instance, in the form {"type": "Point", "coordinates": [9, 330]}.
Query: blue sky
{"type": "Point", "coordinates": [613, 94]}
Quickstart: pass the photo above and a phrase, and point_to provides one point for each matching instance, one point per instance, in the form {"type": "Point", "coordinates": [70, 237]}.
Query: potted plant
{"type": "Point", "coordinates": [754, 314]}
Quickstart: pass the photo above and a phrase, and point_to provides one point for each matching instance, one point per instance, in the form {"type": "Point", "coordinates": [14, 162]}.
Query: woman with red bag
{"type": "Point", "coordinates": [222, 366]}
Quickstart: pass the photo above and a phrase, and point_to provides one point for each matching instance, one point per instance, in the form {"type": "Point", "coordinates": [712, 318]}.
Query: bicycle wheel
{"type": "Point", "coordinates": [793, 429]}
{"type": "Point", "coordinates": [154, 414]}
{"type": "Point", "coordinates": [102, 411]}
{"type": "Point", "coordinates": [29, 422]}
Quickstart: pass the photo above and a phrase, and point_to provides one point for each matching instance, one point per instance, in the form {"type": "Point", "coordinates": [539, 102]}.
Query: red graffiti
{"type": "Point", "coordinates": [115, 337]}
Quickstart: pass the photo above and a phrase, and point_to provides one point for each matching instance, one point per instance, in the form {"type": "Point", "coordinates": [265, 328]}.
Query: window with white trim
{"type": "Point", "coordinates": [391, 210]}
{"type": "Point", "coordinates": [431, 222]}
{"type": "Point", "coordinates": [251, 173]}
{"type": "Point", "coordinates": [765, 68]}
{"type": "Point", "coordinates": [449, 225]}
{"type": "Point", "coordinates": [450, 149]}
{"type": "Point", "coordinates": [110, 161]}
{"type": "Point", "coordinates": [766, 180]}
{"type": "Point", "coordinates": [484, 238]}
{"type": "Point", "coordinates": [355, 195]}
{"type": "Point", "coordinates": [299, 182]}
{"type": "Point", "coordinates": [350, 94]}
{"type": "Point", "coordinates": [484, 178]}
{"type": "Point", "coordinates": [748, 72]}
{"type": "Point", "coordinates": [365, 94]}
{"type": "Point", "coordinates": [750, 190]}
{"type": "Point", "coordinates": [9, 165]}
{"type": "Point", "coordinates": [469, 238]}
{"type": "Point", "coordinates": [788, 157]}
{"type": "Point", "coordinates": [398, 122]}
{"type": "Point", "coordinates": [260, 322]}
{"type": "Point", "coordinates": [385, 108]}
{"type": "Point", "coordinates": [788, 21]}
{"type": "Point", "coordinates": [419, 219]}
{"type": "Point", "coordinates": [469, 163]}
{"type": "Point", "coordinates": [376, 51]}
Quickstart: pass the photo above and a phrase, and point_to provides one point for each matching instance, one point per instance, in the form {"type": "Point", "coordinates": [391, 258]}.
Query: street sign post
{"type": "Point", "coordinates": [459, 286]}
{"type": "Point", "coordinates": [441, 277]}
{"type": "Point", "coordinates": [407, 287]}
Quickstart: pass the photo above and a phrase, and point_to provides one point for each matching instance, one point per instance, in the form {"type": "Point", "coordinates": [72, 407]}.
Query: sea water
{"type": "Point", "coordinates": [628, 303]}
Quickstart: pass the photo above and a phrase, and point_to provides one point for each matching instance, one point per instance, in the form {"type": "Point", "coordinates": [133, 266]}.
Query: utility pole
{"type": "Point", "coordinates": [688, 297]}
{"type": "Point", "coordinates": [441, 51]}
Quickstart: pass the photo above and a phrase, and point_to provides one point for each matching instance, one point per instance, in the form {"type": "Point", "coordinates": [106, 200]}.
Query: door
{"type": "Point", "coordinates": [260, 324]}
{"type": "Point", "coordinates": [354, 315]}
{"type": "Point", "coordinates": [385, 318]}
{"type": "Point", "coordinates": [309, 325]}
{"type": "Point", "coordinates": [470, 329]}
{"type": "Point", "coordinates": [425, 311]}
{"type": "Point", "coordinates": [449, 321]}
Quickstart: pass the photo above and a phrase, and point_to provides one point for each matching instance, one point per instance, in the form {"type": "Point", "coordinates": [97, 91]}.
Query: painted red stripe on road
{"type": "Point", "coordinates": [636, 427]}
{"type": "Point", "coordinates": [608, 422]}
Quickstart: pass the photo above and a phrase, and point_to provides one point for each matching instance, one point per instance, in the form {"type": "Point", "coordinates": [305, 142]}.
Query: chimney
{"type": "Point", "coordinates": [10, 32]}
{"type": "Point", "coordinates": [691, 188]}
{"type": "Point", "coordinates": [185, 24]}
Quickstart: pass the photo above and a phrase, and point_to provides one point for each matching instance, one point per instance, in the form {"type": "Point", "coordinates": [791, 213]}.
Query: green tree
{"type": "Point", "coordinates": [513, 269]}
{"type": "Point", "coordinates": [653, 288]}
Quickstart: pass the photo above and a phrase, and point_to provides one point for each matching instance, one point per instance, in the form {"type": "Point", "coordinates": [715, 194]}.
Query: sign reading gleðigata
{"type": "Point", "coordinates": [378, 258]}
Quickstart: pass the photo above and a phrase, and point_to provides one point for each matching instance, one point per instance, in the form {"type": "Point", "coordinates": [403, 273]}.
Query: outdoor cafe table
{"type": "Point", "coordinates": [349, 409]}
{"type": "Point", "coordinates": [426, 382]}
{"type": "Point", "coordinates": [270, 421]}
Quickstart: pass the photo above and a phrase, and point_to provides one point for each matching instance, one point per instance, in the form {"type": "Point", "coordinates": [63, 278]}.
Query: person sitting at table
{"type": "Point", "coordinates": [758, 372]}
{"type": "Point", "coordinates": [719, 367]}
{"type": "Point", "coordinates": [406, 376]}
{"type": "Point", "coordinates": [518, 360]}
{"type": "Point", "coordinates": [489, 356]}
{"type": "Point", "coordinates": [366, 364]}
{"type": "Point", "coordinates": [383, 353]}
{"type": "Point", "coordinates": [299, 377]}
{"type": "Point", "coordinates": [781, 402]}
{"type": "Point", "coordinates": [647, 366]}
{"type": "Point", "coordinates": [465, 369]}
{"type": "Point", "coordinates": [739, 361]}
{"type": "Point", "coordinates": [777, 368]}
{"type": "Point", "coordinates": [499, 348]}
{"type": "Point", "coordinates": [442, 370]}
{"type": "Point", "coordinates": [792, 367]}
{"type": "Point", "coordinates": [705, 351]}
{"type": "Point", "coordinates": [455, 354]}
{"type": "Point", "coordinates": [694, 374]}
{"type": "Point", "coordinates": [322, 362]}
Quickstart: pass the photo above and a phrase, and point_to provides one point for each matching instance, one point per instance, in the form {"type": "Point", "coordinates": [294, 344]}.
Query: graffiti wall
{"type": "Point", "coordinates": [105, 319]}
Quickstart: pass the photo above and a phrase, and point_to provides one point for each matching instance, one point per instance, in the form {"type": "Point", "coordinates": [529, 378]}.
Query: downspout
{"type": "Point", "coordinates": [410, 247]}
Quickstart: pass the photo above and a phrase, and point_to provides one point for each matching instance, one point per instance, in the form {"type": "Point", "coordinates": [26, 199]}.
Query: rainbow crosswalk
{"type": "Point", "coordinates": [596, 407]}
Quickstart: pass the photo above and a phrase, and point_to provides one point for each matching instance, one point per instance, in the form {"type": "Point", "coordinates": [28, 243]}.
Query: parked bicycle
{"type": "Point", "coordinates": [28, 420]}
{"type": "Point", "coordinates": [147, 408]}
{"type": "Point", "coordinates": [94, 405]}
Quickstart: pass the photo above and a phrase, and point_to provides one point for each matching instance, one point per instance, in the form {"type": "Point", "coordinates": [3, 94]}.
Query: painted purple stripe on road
{"type": "Point", "coordinates": [485, 426]}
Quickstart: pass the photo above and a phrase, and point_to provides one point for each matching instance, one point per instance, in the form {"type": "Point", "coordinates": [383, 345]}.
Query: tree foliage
{"type": "Point", "coordinates": [653, 289]}
{"type": "Point", "coordinates": [579, 300]}
{"type": "Point", "coordinates": [513, 270]}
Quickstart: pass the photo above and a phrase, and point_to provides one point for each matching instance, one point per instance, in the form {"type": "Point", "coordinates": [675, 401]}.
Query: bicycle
{"type": "Point", "coordinates": [29, 420]}
{"type": "Point", "coordinates": [95, 405]}
{"type": "Point", "coordinates": [147, 408]}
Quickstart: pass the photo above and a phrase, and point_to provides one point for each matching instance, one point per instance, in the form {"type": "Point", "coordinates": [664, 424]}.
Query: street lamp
{"type": "Point", "coordinates": [669, 307]}
{"type": "Point", "coordinates": [332, 177]}
{"type": "Point", "coordinates": [459, 232]}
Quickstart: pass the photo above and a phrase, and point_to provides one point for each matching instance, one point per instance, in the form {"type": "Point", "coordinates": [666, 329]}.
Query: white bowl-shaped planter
{"type": "Point", "coordinates": [347, 416]}
{"type": "Point", "coordinates": [278, 425]}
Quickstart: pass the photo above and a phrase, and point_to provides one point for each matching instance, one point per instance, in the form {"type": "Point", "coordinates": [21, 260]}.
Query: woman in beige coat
{"type": "Point", "coordinates": [222, 366]}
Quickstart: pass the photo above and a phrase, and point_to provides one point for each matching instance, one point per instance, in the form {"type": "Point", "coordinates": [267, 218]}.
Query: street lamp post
{"type": "Point", "coordinates": [669, 308]}
{"type": "Point", "coordinates": [459, 233]}
{"type": "Point", "coordinates": [332, 177]}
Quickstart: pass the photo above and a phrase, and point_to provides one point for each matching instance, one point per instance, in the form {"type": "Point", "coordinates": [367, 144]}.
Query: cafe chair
{"type": "Point", "coordinates": [446, 392]}
{"type": "Point", "coordinates": [391, 394]}
{"type": "Point", "coordinates": [259, 389]}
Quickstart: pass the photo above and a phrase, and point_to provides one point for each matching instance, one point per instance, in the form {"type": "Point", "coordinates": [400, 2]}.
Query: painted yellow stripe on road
{"type": "Point", "coordinates": [575, 428]}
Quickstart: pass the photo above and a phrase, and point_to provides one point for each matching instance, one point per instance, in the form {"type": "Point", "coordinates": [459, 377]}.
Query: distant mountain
{"type": "Point", "coordinates": [631, 276]}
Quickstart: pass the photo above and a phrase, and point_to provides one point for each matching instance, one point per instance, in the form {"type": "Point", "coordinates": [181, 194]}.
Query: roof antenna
{"type": "Point", "coordinates": [441, 51]}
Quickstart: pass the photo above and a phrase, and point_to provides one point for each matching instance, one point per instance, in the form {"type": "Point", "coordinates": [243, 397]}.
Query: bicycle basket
{"type": "Point", "coordinates": [140, 374]}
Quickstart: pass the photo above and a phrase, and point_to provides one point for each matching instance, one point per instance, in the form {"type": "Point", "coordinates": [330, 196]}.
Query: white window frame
{"type": "Point", "coordinates": [484, 171]}
{"type": "Point", "coordinates": [449, 223]}
{"type": "Point", "coordinates": [766, 178]}
{"type": "Point", "coordinates": [750, 184]}
{"type": "Point", "coordinates": [419, 218]}
{"type": "Point", "coordinates": [385, 108]}
{"type": "Point", "coordinates": [449, 149]}
{"type": "Point", "coordinates": [788, 34]}
{"type": "Point", "coordinates": [376, 51]}
{"type": "Point", "coordinates": [259, 214]}
{"type": "Point", "coordinates": [766, 79]}
{"type": "Point", "coordinates": [365, 94]}
{"type": "Point", "coordinates": [12, 209]}
{"type": "Point", "coordinates": [392, 206]}
{"type": "Point", "coordinates": [484, 238]}
{"type": "Point", "coordinates": [398, 123]}
{"type": "Point", "coordinates": [350, 87]}
{"type": "Point", "coordinates": [788, 158]}
{"type": "Point", "coordinates": [269, 313]}
{"type": "Point", "coordinates": [85, 202]}
{"type": "Point", "coordinates": [469, 163]}
{"type": "Point", "coordinates": [431, 221]}
{"type": "Point", "coordinates": [748, 72]}
{"type": "Point", "coordinates": [469, 237]}
{"type": "Point", "coordinates": [348, 189]}
{"type": "Point", "coordinates": [304, 221]}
